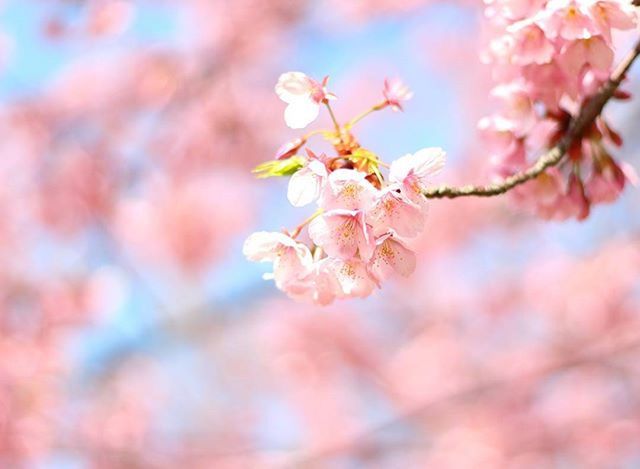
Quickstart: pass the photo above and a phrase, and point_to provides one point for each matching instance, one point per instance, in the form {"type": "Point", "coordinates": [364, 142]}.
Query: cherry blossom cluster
{"type": "Point", "coordinates": [548, 58]}
{"type": "Point", "coordinates": [360, 234]}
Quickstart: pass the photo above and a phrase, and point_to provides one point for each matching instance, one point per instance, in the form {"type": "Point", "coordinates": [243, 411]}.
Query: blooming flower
{"type": "Point", "coordinates": [347, 189]}
{"type": "Point", "coordinates": [342, 234]}
{"type": "Point", "coordinates": [593, 51]}
{"type": "Point", "coordinates": [607, 180]}
{"type": "Point", "coordinates": [319, 285]}
{"type": "Point", "coordinates": [608, 14]}
{"type": "Point", "coordinates": [530, 44]}
{"type": "Point", "coordinates": [575, 203]}
{"type": "Point", "coordinates": [567, 19]}
{"type": "Point", "coordinates": [394, 211]}
{"type": "Point", "coordinates": [395, 91]}
{"type": "Point", "coordinates": [412, 171]}
{"type": "Point", "coordinates": [352, 276]}
{"type": "Point", "coordinates": [549, 63]}
{"type": "Point", "coordinates": [391, 256]}
{"type": "Point", "coordinates": [303, 95]}
{"type": "Point", "coordinates": [519, 112]}
{"type": "Point", "coordinates": [291, 260]}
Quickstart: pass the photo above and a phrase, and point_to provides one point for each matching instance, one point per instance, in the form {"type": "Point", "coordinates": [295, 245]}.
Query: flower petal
{"type": "Point", "coordinates": [300, 113]}
{"type": "Point", "coordinates": [293, 86]}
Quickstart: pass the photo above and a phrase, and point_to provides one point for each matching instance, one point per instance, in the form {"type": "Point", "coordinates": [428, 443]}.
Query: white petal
{"type": "Point", "coordinates": [261, 246]}
{"type": "Point", "coordinates": [301, 113]}
{"type": "Point", "coordinates": [429, 161]}
{"type": "Point", "coordinates": [304, 187]}
{"type": "Point", "coordinates": [292, 86]}
{"type": "Point", "coordinates": [400, 168]}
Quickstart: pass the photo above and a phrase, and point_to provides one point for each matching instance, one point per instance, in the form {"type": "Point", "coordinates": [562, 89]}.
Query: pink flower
{"type": "Point", "coordinates": [500, 50]}
{"type": "Point", "coordinates": [413, 171]}
{"type": "Point", "coordinates": [512, 9]}
{"type": "Point", "coordinates": [508, 152]}
{"type": "Point", "coordinates": [593, 51]}
{"type": "Point", "coordinates": [291, 260]}
{"type": "Point", "coordinates": [347, 189]}
{"type": "Point", "coordinates": [541, 195]}
{"type": "Point", "coordinates": [518, 111]}
{"type": "Point", "coordinates": [548, 83]}
{"type": "Point", "coordinates": [352, 276]}
{"type": "Point", "coordinates": [332, 278]}
{"type": "Point", "coordinates": [319, 286]}
{"type": "Point", "coordinates": [576, 203]}
{"type": "Point", "coordinates": [306, 184]}
{"type": "Point", "coordinates": [391, 256]}
{"type": "Point", "coordinates": [530, 45]}
{"type": "Point", "coordinates": [609, 14]}
{"type": "Point", "coordinates": [567, 19]}
{"type": "Point", "coordinates": [303, 95]}
{"type": "Point", "coordinates": [394, 211]}
{"type": "Point", "coordinates": [395, 91]}
{"type": "Point", "coordinates": [342, 234]}
{"type": "Point", "coordinates": [607, 180]}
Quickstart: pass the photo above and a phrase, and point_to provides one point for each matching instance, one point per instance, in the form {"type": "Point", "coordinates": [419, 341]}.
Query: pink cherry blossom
{"type": "Point", "coordinates": [342, 234]}
{"type": "Point", "coordinates": [331, 278]}
{"type": "Point", "coordinates": [607, 180]}
{"type": "Point", "coordinates": [395, 91]}
{"type": "Point", "coordinates": [114, 358]}
{"type": "Point", "coordinates": [413, 171]}
{"type": "Point", "coordinates": [519, 113]}
{"type": "Point", "coordinates": [568, 19]}
{"type": "Point", "coordinates": [593, 51]}
{"type": "Point", "coordinates": [549, 63]}
{"type": "Point", "coordinates": [512, 9]}
{"type": "Point", "coordinates": [353, 277]}
{"type": "Point", "coordinates": [347, 189]}
{"type": "Point", "coordinates": [608, 14]}
{"type": "Point", "coordinates": [319, 285]}
{"type": "Point", "coordinates": [303, 95]}
{"type": "Point", "coordinates": [507, 151]}
{"type": "Point", "coordinates": [549, 82]}
{"type": "Point", "coordinates": [542, 194]}
{"type": "Point", "coordinates": [391, 256]}
{"type": "Point", "coordinates": [394, 211]}
{"type": "Point", "coordinates": [530, 44]}
{"type": "Point", "coordinates": [291, 260]}
{"type": "Point", "coordinates": [576, 203]}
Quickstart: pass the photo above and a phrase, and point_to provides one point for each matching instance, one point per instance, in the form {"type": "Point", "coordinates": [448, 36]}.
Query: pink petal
{"type": "Point", "coordinates": [391, 256]}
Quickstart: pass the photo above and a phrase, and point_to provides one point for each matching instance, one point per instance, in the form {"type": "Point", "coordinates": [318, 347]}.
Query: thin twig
{"type": "Point", "coordinates": [590, 111]}
{"type": "Point", "coordinates": [333, 117]}
{"type": "Point", "coordinates": [364, 114]}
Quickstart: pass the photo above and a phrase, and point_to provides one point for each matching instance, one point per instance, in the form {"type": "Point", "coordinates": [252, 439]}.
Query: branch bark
{"type": "Point", "coordinates": [589, 112]}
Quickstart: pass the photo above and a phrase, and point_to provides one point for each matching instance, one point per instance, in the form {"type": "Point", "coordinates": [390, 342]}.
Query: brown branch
{"type": "Point", "coordinates": [589, 112]}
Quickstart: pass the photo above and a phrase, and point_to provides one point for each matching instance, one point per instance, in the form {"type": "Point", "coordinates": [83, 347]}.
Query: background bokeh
{"type": "Point", "coordinates": [133, 334]}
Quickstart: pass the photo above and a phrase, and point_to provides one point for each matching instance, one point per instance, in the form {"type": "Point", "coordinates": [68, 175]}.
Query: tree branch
{"type": "Point", "coordinates": [589, 112]}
